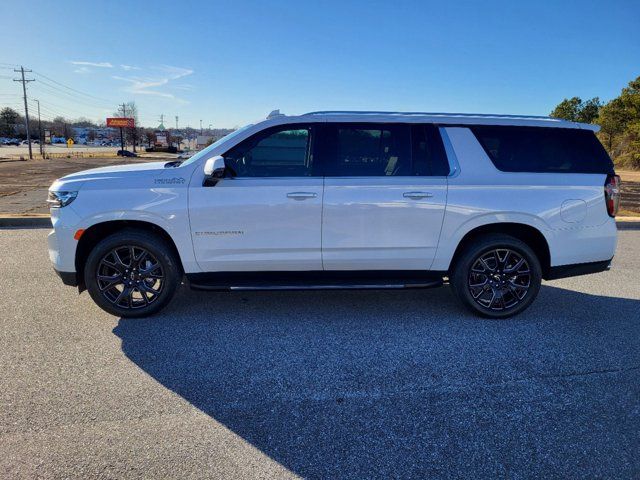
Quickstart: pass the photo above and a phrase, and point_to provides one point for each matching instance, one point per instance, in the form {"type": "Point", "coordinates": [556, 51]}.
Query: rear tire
{"type": "Point", "coordinates": [497, 276]}
{"type": "Point", "coordinates": [132, 273]}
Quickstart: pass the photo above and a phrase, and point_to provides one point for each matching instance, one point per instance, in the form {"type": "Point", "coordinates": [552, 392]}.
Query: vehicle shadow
{"type": "Point", "coordinates": [364, 384]}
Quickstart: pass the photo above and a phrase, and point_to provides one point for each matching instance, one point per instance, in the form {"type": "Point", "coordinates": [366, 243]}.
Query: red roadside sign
{"type": "Point", "coordinates": [121, 122]}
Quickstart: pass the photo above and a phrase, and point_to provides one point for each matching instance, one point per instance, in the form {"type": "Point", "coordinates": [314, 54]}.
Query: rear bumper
{"type": "Point", "coordinates": [573, 270]}
{"type": "Point", "coordinates": [68, 278]}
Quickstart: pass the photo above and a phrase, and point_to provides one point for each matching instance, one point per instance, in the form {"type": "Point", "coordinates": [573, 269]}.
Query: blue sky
{"type": "Point", "coordinates": [229, 63]}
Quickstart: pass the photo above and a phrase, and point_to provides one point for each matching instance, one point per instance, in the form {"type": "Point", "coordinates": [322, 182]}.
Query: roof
{"type": "Point", "coordinates": [439, 118]}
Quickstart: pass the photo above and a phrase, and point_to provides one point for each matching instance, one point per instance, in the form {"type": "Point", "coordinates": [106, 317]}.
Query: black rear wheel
{"type": "Point", "coordinates": [131, 273]}
{"type": "Point", "coordinates": [497, 276]}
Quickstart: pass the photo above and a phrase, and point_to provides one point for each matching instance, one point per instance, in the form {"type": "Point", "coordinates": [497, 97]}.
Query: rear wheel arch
{"type": "Point", "coordinates": [523, 232]}
{"type": "Point", "coordinates": [94, 234]}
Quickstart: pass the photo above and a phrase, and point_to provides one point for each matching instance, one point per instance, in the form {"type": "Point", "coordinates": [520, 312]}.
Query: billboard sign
{"type": "Point", "coordinates": [162, 139]}
{"type": "Point", "coordinates": [121, 122]}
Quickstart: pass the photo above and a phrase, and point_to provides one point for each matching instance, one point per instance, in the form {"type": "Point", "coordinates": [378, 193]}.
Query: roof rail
{"type": "Point", "coordinates": [481, 115]}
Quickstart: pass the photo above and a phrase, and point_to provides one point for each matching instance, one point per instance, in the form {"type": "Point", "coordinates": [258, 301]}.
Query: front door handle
{"type": "Point", "coordinates": [301, 195]}
{"type": "Point", "coordinates": [417, 195]}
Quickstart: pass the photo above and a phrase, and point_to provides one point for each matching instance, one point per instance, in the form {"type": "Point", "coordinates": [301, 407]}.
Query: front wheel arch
{"type": "Point", "coordinates": [95, 233]}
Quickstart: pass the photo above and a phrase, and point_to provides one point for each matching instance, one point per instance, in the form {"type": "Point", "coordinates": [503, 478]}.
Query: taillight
{"type": "Point", "coordinates": [612, 194]}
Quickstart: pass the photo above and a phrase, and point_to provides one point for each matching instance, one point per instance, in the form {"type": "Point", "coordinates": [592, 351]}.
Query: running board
{"type": "Point", "coordinates": [250, 281]}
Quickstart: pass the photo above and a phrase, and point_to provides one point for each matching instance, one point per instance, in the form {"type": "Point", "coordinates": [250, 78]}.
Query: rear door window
{"type": "Point", "coordinates": [543, 150]}
{"type": "Point", "coordinates": [382, 150]}
{"type": "Point", "coordinates": [428, 154]}
{"type": "Point", "coordinates": [370, 150]}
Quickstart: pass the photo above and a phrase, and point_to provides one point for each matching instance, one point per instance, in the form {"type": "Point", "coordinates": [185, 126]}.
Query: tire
{"type": "Point", "coordinates": [489, 279]}
{"type": "Point", "coordinates": [120, 286]}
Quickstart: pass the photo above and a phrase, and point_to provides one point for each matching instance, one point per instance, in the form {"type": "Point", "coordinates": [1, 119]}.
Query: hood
{"type": "Point", "coordinates": [116, 170]}
{"type": "Point", "coordinates": [124, 176]}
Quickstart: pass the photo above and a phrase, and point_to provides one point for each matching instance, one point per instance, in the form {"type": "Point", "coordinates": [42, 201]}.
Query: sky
{"type": "Point", "coordinates": [230, 63]}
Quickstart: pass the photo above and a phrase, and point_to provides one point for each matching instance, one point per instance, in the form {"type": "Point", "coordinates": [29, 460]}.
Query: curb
{"type": "Point", "coordinates": [628, 225]}
{"type": "Point", "coordinates": [43, 221]}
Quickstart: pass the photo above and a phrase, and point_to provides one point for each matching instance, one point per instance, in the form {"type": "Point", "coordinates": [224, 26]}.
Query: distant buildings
{"type": "Point", "coordinates": [94, 135]}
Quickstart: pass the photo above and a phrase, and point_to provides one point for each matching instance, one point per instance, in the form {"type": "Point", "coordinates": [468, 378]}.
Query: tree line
{"type": "Point", "coordinates": [12, 125]}
{"type": "Point", "coordinates": [619, 121]}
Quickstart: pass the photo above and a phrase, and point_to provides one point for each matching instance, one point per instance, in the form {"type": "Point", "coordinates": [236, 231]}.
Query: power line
{"type": "Point", "coordinates": [53, 90]}
{"type": "Point", "coordinates": [55, 108]}
{"type": "Point", "coordinates": [74, 89]}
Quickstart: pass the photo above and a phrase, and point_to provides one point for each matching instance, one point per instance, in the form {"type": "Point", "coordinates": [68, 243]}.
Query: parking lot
{"type": "Point", "coordinates": [343, 384]}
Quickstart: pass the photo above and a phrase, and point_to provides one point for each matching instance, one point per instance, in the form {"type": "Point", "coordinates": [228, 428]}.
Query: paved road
{"type": "Point", "coordinates": [318, 384]}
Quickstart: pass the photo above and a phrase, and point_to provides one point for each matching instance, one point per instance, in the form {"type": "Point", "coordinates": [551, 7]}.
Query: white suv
{"type": "Point", "coordinates": [491, 203]}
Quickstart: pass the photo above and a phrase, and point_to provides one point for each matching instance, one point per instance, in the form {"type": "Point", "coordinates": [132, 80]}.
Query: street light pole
{"type": "Point", "coordinates": [40, 131]}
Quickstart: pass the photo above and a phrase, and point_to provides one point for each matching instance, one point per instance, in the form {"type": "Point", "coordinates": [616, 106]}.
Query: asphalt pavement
{"type": "Point", "coordinates": [341, 384]}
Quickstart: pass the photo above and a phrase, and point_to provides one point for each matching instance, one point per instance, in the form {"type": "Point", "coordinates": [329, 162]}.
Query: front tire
{"type": "Point", "coordinates": [497, 276]}
{"type": "Point", "coordinates": [132, 274]}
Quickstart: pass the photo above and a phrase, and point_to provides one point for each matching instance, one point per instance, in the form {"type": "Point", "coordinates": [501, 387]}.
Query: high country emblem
{"type": "Point", "coordinates": [169, 181]}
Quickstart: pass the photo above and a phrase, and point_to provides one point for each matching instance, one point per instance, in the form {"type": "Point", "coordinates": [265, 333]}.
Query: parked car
{"type": "Point", "coordinates": [491, 204]}
{"type": "Point", "coordinates": [126, 153]}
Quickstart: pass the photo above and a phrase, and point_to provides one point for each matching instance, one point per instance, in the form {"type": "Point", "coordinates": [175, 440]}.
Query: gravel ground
{"type": "Point", "coordinates": [24, 185]}
{"type": "Point", "coordinates": [346, 384]}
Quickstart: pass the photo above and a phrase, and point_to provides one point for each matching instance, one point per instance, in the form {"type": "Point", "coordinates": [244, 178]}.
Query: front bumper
{"type": "Point", "coordinates": [61, 244]}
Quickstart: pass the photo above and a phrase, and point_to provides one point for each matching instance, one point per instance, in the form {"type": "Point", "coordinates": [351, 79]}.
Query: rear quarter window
{"type": "Point", "coordinates": [543, 150]}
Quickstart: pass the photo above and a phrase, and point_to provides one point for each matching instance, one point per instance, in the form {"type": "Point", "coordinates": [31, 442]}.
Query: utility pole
{"type": "Point", "coordinates": [176, 122]}
{"type": "Point", "coordinates": [26, 108]}
{"type": "Point", "coordinates": [40, 139]}
{"type": "Point", "coordinates": [200, 127]}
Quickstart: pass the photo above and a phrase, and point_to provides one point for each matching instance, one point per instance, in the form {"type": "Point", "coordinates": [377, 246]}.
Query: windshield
{"type": "Point", "coordinates": [205, 151]}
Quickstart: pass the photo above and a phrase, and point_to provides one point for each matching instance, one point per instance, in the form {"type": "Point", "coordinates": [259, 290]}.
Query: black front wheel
{"type": "Point", "coordinates": [497, 276]}
{"type": "Point", "coordinates": [131, 273]}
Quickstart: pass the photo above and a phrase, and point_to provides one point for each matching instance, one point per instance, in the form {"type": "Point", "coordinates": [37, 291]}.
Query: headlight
{"type": "Point", "coordinates": [61, 199]}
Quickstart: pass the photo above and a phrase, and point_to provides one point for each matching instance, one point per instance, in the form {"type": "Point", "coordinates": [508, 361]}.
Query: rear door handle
{"type": "Point", "coordinates": [417, 195]}
{"type": "Point", "coordinates": [301, 195]}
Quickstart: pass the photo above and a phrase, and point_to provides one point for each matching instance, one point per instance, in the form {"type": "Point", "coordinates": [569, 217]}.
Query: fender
{"type": "Point", "coordinates": [453, 231]}
{"type": "Point", "coordinates": [181, 237]}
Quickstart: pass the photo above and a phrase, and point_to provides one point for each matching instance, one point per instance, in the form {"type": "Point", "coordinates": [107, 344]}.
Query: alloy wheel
{"type": "Point", "coordinates": [499, 279]}
{"type": "Point", "coordinates": [130, 277]}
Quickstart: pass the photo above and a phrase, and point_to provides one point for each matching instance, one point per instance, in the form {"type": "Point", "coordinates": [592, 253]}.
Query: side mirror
{"type": "Point", "coordinates": [214, 170]}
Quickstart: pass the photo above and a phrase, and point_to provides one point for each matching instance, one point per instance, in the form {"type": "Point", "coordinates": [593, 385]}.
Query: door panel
{"type": "Point", "coordinates": [382, 223]}
{"type": "Point", "coordinates": [269, 215]}
{"type": "Point", "coordinates": [245, 224]}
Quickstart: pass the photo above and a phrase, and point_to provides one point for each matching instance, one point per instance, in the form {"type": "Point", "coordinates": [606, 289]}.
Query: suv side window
{"type": "Point", "coordinates": [368, 150]}
{"type": "Point", "coordinates": [543, 150]}
{"type": "Point", "coordinates": [283, 151]}
{"type": "Point", "coordinates": [380, 150]}
{"type": "Point", "coordinates": [428, 154]}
